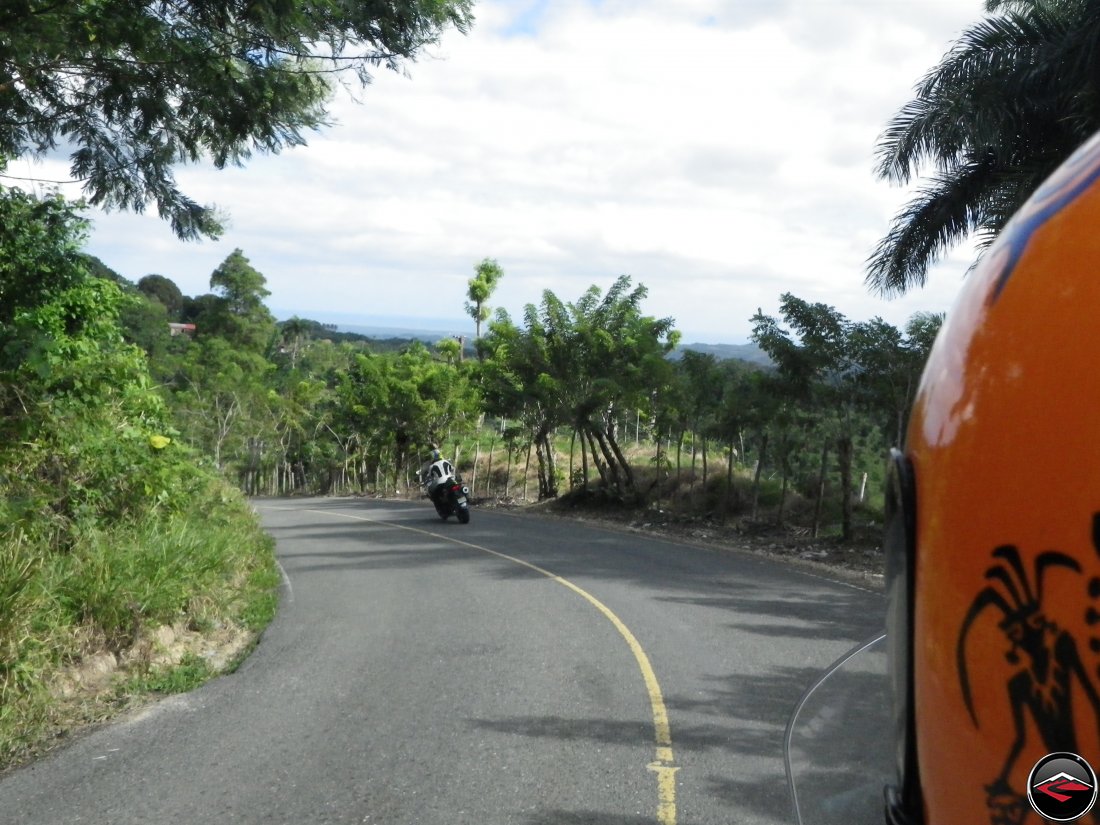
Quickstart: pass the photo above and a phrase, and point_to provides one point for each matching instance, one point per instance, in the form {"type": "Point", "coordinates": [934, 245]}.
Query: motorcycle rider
{"type": "Point", "coordinates": [431, 474]}
{"type": "Point", "coordinates": [993, 538]}
{"type": "Point", "coordinates": [428, 480]}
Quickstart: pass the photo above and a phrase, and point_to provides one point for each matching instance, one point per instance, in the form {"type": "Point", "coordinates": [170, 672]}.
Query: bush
{"type": "Point", "coordinates": [110, 526]}
{"type": "Point", "coordinates": [207, 564]}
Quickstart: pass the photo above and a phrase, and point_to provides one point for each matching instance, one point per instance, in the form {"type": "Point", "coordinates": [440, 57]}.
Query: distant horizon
{"type": "Point", "coordinates": [443, 326]}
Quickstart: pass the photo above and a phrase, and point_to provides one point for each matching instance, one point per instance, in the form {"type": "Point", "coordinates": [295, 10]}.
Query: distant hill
{"type": "Point", "coordinates": [408, 333]}
{"type": "Point", "coordinates": [742, 352]}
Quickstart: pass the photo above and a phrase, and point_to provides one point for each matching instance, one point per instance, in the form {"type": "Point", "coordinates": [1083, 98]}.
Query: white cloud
{"type": "Point", "coordinates": [719, 152]}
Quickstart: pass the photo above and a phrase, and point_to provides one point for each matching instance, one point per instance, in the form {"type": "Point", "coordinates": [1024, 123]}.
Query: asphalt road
{"type": "Point", "coordinates": [514, 670]}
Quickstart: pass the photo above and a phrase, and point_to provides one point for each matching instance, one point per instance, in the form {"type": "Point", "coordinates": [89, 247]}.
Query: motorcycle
{"type": "Point", "coordinates": [447, 492]}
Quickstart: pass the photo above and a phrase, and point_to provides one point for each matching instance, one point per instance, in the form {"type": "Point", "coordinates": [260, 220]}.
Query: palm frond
{"type": "Point", "coordinates": [1015, 95]}
{"type": "Point", "coordinates": [944, 212]}
{"type": "Point", "coordinates": [961, 104]}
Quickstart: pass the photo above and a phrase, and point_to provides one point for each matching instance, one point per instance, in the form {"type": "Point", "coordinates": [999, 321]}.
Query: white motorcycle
{"type": "Point", "coordinates": [449, 495]}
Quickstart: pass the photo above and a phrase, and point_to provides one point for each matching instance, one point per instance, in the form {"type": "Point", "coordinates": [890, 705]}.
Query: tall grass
{"type": "Point", "coordinates": [206, 565]}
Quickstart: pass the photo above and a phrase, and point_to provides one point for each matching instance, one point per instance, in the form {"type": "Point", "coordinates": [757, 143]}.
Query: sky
{"type": "Point", "coordinates": [720, 152]}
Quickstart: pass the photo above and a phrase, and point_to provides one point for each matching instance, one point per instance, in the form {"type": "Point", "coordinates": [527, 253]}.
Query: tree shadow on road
{"type": "Point", "coordinates": [560, 817]}
{"type": "Point", "coordinates": [603, 731]}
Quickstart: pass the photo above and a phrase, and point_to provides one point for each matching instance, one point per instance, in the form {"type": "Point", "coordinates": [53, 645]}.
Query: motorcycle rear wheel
{"type": "Point", "coordinates": [463, 514]}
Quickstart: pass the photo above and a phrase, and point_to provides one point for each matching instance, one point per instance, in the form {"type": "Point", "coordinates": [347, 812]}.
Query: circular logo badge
{"type": "Point", "coordinates": [1061, 787]}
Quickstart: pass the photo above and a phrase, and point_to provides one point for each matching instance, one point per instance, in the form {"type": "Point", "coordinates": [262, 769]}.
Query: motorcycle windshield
{"type": "Point", "coordinates": [839, 748]}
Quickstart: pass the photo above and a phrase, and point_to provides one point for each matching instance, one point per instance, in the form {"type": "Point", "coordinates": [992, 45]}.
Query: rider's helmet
{"type": "Point", "coordinates": [994, 545]}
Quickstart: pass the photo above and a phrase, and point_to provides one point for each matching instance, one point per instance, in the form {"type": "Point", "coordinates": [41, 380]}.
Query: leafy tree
{"type": "Point", "coordinates": [703, 376]}
{"type": "Point", "coordinates": [845, 385]}
{"type": "Point", "coordinates": [890, 363]}
{"type": "Point", "coordinates": [449, 349]}
{"type": "Point", "coordinates": [752, 402]}
{"type": "Point", "coordinates": [818, 374]}
{"type": "Point", "coordinates": [578, 364]}
{"type": "Point", "coordinates": [403, 403]}
{"type": "Point", "coordinates": [219, 390]}
{"type": "Point", "coordinates": [738, 407]}
{"type": "Point", "coordinates": [294, 334]}
{"type": "Point", "coordinates": [97, 269]}
{"type": "Point", "coordinates": [621, 360]}
{"type": "Point", "coordinates": [164, 290]}
{"type": "Point", "coordinates": [1015, 95]}
{"type": "Point", "coordinates": [85, 440]}
{"type": "Point", "coordinates": [518, 382]}
{"type": "Point", "coordinates": [363, 401]}
{"type": "Point", "coordinates": [241, 285]}
{"type": "Point", "coordinates": [136, 86]}
{"type": "Point", "coordinates": [40, 242]}
{"type": "Point", "coordinates": [144, 322]}
{"type": "Point", "coordinates": [238, 313]}
{"type": "Point", "coordinates": [479, 289]}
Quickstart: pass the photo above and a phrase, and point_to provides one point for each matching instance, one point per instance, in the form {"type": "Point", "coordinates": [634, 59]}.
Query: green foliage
{"type": "Point", "coordinates": [165, 291]}
{"type": "Point", "coordinates": [576, 365]}
{"type": "Point", "coordinates": [139, 87]}
{"type": "Point", "coordinates": [39, 237]}
{"type": "Point", "coordinates": [410, 400]}
{"type": "Point", "coordinates": [480, 288]}
{"type": "Point", "coordinates": [206, 563]}
{"type": "Point", "coordinates": [80, 413]}
{"type": "Point", "coordinates": [144, 323]}
{"type": "Point", "coordinates": [839, 381]}
{"type": "Point", "coordinates": [1011, 100]}
{"type": "Point", "coordinates": [238, 314]}
{"type": "Point", "coordinates": [191, 672]}
{"type": "Point", "coordinates": [109, 525]}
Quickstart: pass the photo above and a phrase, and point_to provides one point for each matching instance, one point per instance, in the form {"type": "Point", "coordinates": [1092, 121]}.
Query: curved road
{"type": "Point", "coordinates": [513, 670]}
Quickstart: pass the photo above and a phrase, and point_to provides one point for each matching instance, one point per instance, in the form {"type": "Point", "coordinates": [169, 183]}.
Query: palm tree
{"type": "Point", "coordinates": [1015, 95]}
{"type": "Point", "coordinates": [480, 288]}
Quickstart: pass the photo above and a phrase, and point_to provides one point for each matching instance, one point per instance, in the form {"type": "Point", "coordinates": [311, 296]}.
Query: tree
{"type": "Point", "coordinates": [406, 401]}
{"type": "Point", "coordinates": [890, 363]}
{"type": "Point", "coordinates": [1012, 99]}
{"type": "Point", "coordinates": [237, 312]}
{"type": "Point", "coordinates": [144, 322]}
{"type": "Point", "coordinates": [479, 289]}
{"type": "Point", "coordinates": [702, 376]}
{"type": "Point", "coordinates": [579, 365]}
{"type": "Point", "coordinates": [817, 373]}
{"type": "Point", "coordinates": [137, 86]}
{"type": "Point", "coordinates": [293, 335]}
{"type": "Point", "coordinates": [164, 290]}
{"type": "Point", "coordinates": [518, 382]}
{"type": "Point", "coordinates": [37, 236]}
{"type": "Point", "coordinates": [82, 429]}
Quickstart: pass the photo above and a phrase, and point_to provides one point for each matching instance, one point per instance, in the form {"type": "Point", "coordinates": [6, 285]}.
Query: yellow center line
{"type": "Point", "coordinates": [663, 766]}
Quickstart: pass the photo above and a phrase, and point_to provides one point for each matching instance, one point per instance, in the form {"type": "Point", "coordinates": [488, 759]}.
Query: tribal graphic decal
{"type": "Point", "coordinates": [1045, 660]}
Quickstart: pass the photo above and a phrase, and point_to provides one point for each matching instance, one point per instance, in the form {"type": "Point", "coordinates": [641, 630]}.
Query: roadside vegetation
{"type": "Point", "coordinates": [110, 525]}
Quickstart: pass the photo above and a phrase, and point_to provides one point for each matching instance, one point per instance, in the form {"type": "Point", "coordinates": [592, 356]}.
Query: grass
{"type": "Point", "coordinates": [684, 496]}
{"type": "Point", "coordinates": [205, 567]}
{"type": "Point", "coordinates": [191, 672]}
